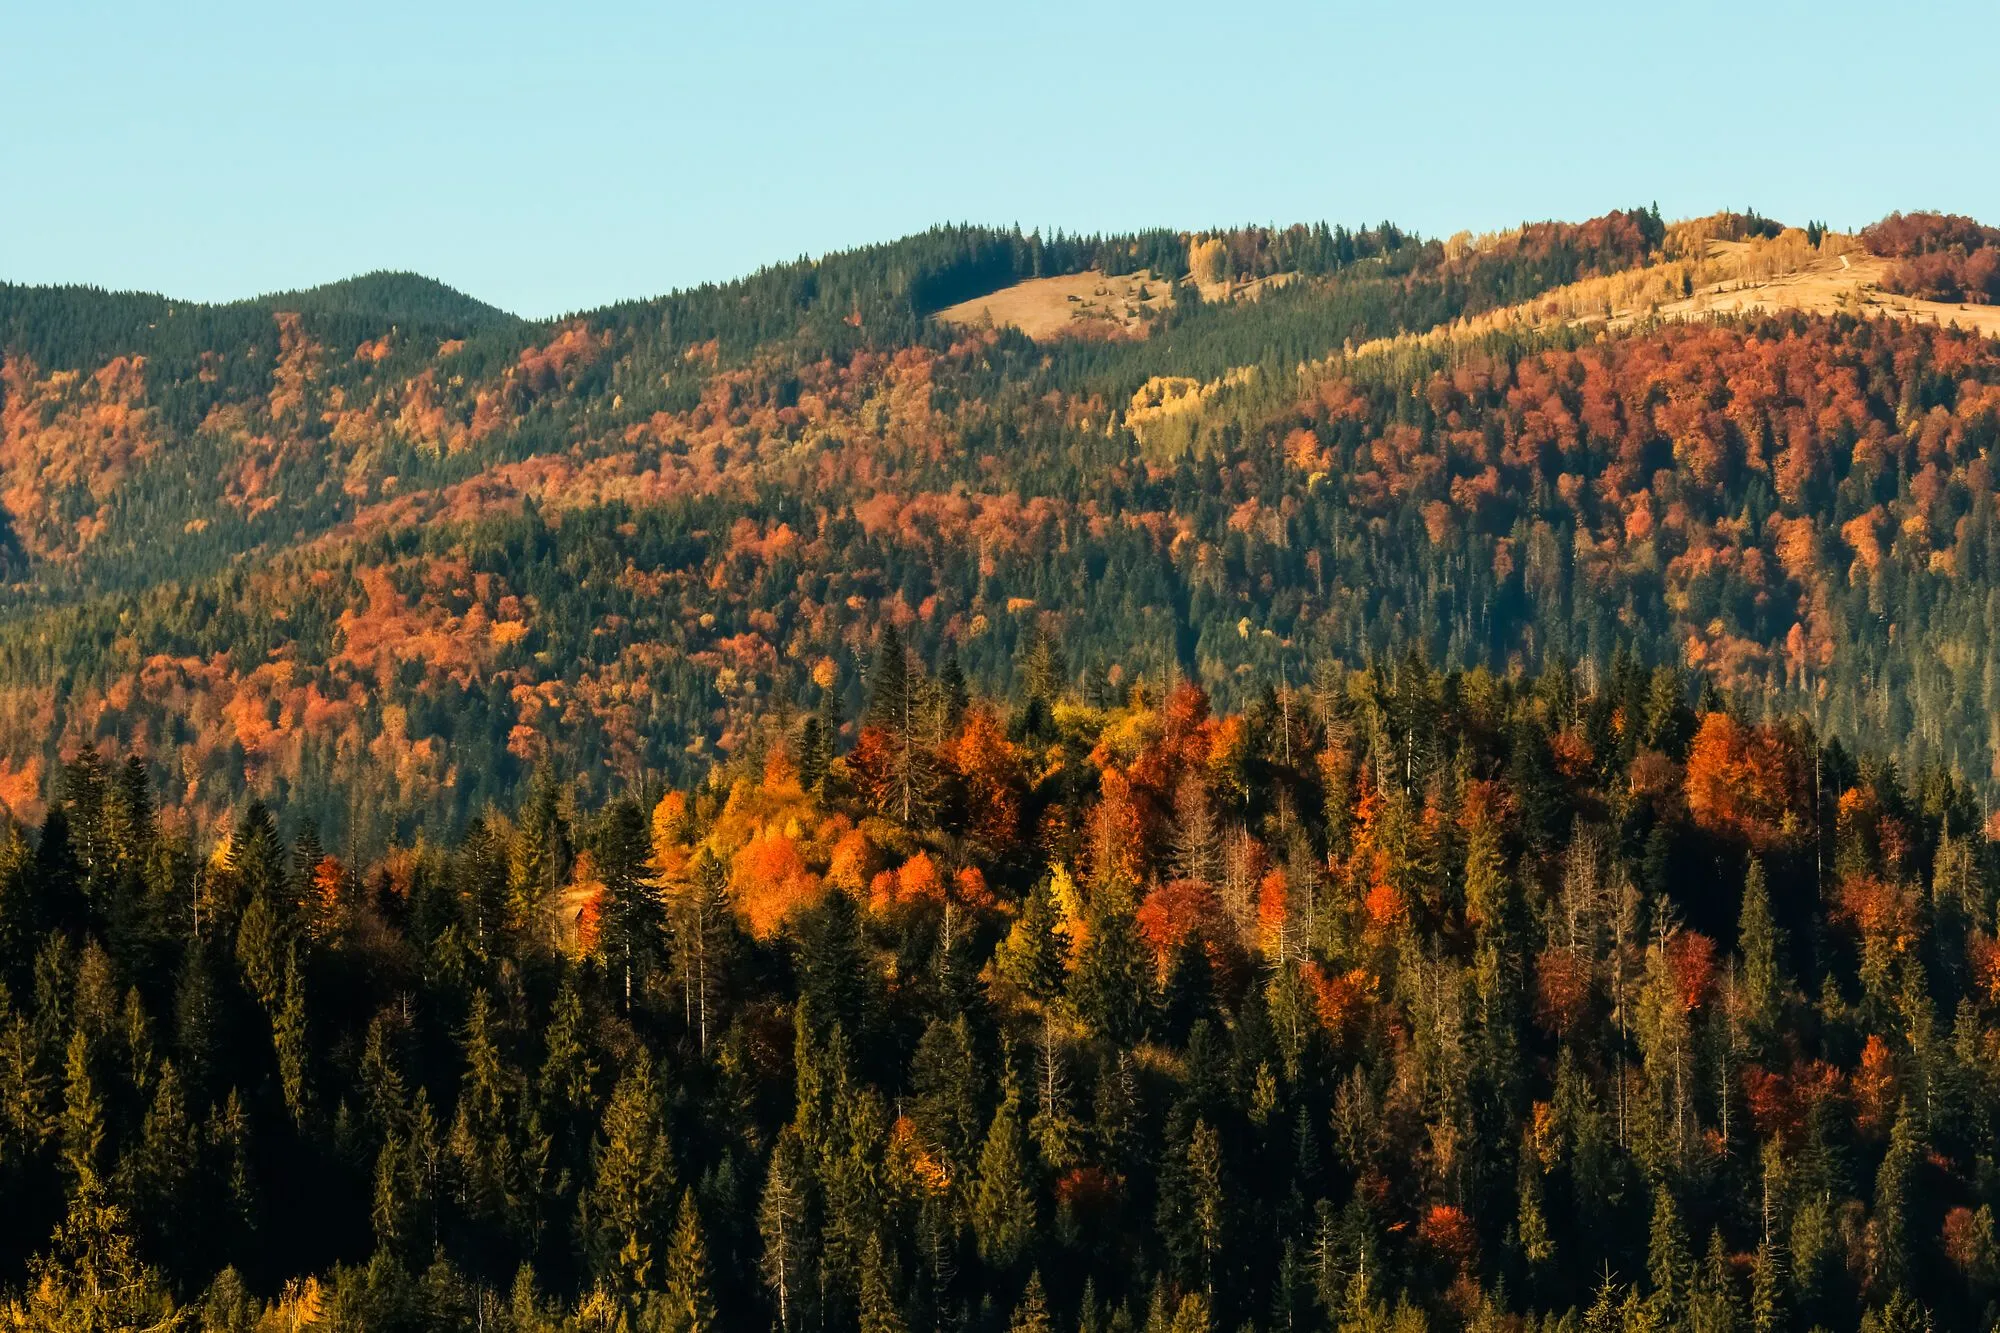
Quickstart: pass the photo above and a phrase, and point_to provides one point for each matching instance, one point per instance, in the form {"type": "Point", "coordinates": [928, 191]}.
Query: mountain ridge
{"type": "Point", "coordinates": [444, 555]}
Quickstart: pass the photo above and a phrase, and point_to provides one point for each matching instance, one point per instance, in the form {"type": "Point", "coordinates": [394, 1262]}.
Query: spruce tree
{"type": "Point", "coordinates": [1712, 1304]}
{"type": "Point", "coordinates": [1003, 1206]}
{"type": "Point", "coordinates": [1208, 1204]}
{"type": "Point", "coordinates": [944, 1079]}
{"type": "Point", "coordinates": [879, 1310]}
{"type": "Point", "coordinates": [1035, 953]}
{"type": "Point", "coordinates": [705, 942]}
{"type": "Point", "coordinates": [1767, 1296]}
{"type": "Point", "coordinates": [1031, 1312]}
{"type": "Point", "coordinates": [634, 917]}
{"type": "Point", "coordinates": [781, 1225]}
{"type": "Point", "coordinates": [93, 1277]}
{"type": "Point", "coordinates": [289, 1039]}
{"type": "Point", "coordinates": [161, 1168]}
{"type": "Point", "coordinates": [1890, 1221]}
{"type": "Point", "coordinates": [619, 1214]}
{"type": "Point", "coordinates": [1531, 1225]}
{"type": "Point", "coordinates": [83, 1114]}
{"type": "Point", "coordinates": [1669, 1264]}
{"type": "Point", "coordinates": [1112, 985]}
{"type": "Point", "coordinates": [1758, 940]}
{"type": "Point", "coordinates": [25, 1114]}
{"type": "Point", "coordinates": [689, 1305]}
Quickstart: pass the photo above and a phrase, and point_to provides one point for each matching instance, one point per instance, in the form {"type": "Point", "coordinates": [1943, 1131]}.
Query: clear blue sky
{"type": "Point", "coordinates": [552, 157]}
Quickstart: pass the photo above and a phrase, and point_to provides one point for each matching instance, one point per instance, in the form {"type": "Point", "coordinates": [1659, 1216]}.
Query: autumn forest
{"type": "Point", "coordinates": [1350, 781]}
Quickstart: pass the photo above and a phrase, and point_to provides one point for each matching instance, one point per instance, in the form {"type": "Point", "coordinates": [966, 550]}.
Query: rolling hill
{"type": "Point", "coordinates": [380, 534]}
{"type": "Point", "coordinates": [1261, 779]}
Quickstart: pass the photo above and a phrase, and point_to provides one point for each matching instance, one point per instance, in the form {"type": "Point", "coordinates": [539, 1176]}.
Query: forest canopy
{"type": "Point", "coordinates": [1399, 1000]}
{"type": "Point", "coordinates": [1414, 783]}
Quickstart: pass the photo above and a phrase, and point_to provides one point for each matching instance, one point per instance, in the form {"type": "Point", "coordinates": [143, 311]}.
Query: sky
{"type": "Point", "coordinates": [551, 158]}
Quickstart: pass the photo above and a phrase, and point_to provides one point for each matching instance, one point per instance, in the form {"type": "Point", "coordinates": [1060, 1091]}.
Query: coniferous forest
{"type": "Point", "coordinates": [1417, 785]}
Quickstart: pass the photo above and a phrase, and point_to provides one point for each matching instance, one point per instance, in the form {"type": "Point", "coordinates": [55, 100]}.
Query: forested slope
{"type": "Point", "coordinates": [379, 567]}
{"type": "Point", "coordinates": [1398, 1002]}
{"type": "Point", "coordinates": [1450, 794]}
